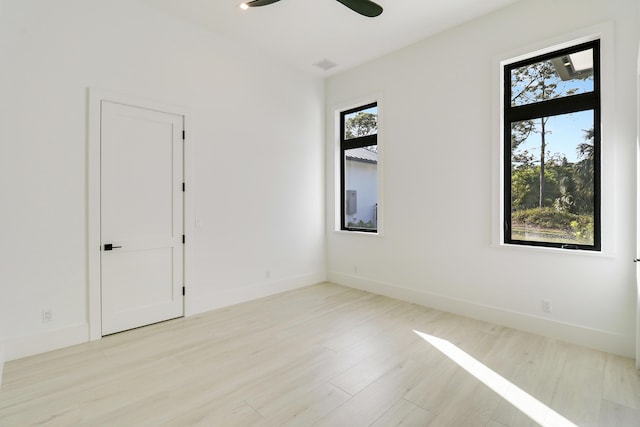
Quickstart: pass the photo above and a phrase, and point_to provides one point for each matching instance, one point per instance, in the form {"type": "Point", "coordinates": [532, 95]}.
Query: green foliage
{"type": "Point", "coordinates": [545, 218]}
{"type": "Point", "coordinates": [583, 228]}
{"type": "Point", "coordinates": [564, 225]}
{"type": "Point", "coordinates": [524, 185]}
{"type": "Point", "coordinates": [362, 124]}
{"type": "Point", "coordinates": [569, 187]}
{"type": "Point", "coordinates": [519, 132]}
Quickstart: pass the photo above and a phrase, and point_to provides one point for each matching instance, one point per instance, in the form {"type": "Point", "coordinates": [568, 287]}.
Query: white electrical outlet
{"type": "Point", "coordinates": [47, 315]}
{"type": "Point", "coordinates": [546, 306]}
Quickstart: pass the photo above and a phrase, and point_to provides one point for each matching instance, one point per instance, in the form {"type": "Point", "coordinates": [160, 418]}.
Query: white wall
{"type": "Point", "coordinates": [637, 208]}
{"type": "Point", "coordinates": [255, 159]}
{"type": "Point", "coordinates": [1, 363]}
{"type": "Point", "coordinates": [440, 159]}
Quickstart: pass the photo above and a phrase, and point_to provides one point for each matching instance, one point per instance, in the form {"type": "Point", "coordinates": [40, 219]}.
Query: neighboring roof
{"type": "Point", "coordinates": [362, 155]}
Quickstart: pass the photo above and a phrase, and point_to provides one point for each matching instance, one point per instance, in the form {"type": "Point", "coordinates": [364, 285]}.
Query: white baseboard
{"type": "Point", "coordinates": [16, 348]}
{"type": "Point", "coordinates": [596, 339]}
{"type": "Point", "coordinates": [19, 347]}
{"type": "Point", "coordinates": [201, 304]}
{"type": "Point", "coordinates": [24, 346]}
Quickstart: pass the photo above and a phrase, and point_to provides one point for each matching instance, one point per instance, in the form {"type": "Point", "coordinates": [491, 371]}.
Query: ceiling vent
{"type": "Point", "coordinates": [325, 64]}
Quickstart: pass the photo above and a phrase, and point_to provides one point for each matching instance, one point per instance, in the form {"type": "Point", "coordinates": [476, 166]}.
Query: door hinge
{"type": "Point", "coordinates": [183, 239]}
{"type": "Point", "coordinates": [183, 290]}
{"type": "Point", "coordinates": [183, 135]}
{"type": "Point", "coordinates": [183, 187]}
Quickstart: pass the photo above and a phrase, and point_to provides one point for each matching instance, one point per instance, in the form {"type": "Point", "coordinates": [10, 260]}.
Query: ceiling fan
{"type": "Point", "coordinates": [363, 7]}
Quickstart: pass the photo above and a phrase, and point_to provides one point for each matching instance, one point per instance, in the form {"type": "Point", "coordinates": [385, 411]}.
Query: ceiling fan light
{"type": "Point", "coordinates": [244, 6]}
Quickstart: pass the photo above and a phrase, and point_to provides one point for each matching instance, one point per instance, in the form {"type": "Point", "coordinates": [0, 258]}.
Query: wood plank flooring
{"type": "Point", "coordinates": [325, 355]}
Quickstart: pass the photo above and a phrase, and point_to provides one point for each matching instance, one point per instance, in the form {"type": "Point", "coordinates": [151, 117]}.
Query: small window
{"type": "Point", "coordinates": [359, 168]}
{"type": "Point", "coordinates": [552, 149]}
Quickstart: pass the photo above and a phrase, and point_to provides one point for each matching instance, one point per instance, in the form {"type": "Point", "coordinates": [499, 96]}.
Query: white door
{"type": "Point", "coordinates": [141, 209]}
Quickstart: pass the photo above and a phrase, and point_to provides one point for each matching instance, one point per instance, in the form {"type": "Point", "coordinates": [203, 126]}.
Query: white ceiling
{"type": "Point", "coordinates": [304, 32]}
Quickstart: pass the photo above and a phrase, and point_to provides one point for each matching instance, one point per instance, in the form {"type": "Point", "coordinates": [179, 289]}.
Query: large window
{"type": "Point", "coordinates": [552, 149]}
{"type": "Point", "coordinates": [359, 168]}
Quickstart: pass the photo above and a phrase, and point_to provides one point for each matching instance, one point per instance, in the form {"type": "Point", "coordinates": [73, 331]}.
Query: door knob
{"type": "Point", "coordinates": [110, 247]}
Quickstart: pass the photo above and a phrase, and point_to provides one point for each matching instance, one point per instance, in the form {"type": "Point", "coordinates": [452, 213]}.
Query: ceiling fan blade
{"type": "Point", "coordinates": [363, 7]}
{"type": "Point", "coordinates": [256, 3]}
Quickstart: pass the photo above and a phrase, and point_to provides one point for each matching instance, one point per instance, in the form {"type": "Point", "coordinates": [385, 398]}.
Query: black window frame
{"type": "Point", "coordinates": [348, 144]}
{"type": "Point", "coordinates": [563, 105]}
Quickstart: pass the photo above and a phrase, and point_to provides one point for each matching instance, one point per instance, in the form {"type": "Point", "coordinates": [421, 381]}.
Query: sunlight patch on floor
{"type": "Point", "coordinates": [529, 405]}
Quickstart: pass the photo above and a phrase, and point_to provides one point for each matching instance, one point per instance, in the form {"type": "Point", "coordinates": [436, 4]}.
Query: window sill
{"type": "Point", "coordinates": [554, 251]}
{"type": "Point", "coordinates": [359, 233]}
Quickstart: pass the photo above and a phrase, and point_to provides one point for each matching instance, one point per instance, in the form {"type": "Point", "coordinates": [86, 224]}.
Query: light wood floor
{"type": "Point", "coordinates": [319, 356]}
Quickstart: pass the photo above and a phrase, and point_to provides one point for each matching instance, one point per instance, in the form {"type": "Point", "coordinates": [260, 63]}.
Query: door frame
{"type": "Point", "coordinates": [95, 97]}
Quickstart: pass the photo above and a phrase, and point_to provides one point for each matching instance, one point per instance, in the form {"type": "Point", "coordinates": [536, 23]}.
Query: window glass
{"type": "Point", "coordinates": [359, 168]}
{"type": "Point", "coordinates": [552, 179]}
{"type": "Point", "coordinates": [361, 188]}
{"type": "Point", "coordinates": [361, 123]}
{"type": "Point", "coordinates": [552, 160]}
{"type": "Point", "coordinates": [557, 77]}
